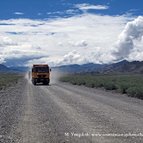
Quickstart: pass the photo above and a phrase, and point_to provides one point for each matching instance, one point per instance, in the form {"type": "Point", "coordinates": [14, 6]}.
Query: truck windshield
{"type": "Point", "coordinates": [41, 69]}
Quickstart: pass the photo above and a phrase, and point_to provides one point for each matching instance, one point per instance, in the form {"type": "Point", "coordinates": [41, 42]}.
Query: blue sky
{"type": "Point", "coordinates": [70, 31]}
{"type": "Point", "coordinates": [39, 9]}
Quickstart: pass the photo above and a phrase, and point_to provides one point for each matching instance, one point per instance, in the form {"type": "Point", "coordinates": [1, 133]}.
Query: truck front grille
{"type": "Point", "coordinates": [41, 76]}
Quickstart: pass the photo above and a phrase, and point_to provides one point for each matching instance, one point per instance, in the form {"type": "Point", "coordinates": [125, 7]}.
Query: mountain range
{"type": "Point", "coordinates": [124, 67]}
{"type": "Point", "coordinates": [119, 67]}
{"type": "Point", "coordinates": [5, 69]}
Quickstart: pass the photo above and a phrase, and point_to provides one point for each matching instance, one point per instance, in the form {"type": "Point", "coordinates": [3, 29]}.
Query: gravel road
{"type": "Point", "coordinates": [62, 113]}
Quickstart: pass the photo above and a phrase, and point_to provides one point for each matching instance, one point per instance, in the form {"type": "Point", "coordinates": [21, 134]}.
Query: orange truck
{"type": "Point", "coordinates": [41, 74]}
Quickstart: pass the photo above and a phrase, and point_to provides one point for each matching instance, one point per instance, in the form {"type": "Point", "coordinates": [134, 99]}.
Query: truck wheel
{"type": "Point", "coordinates": [34, 82]}
{"type": "Point", "coordinates": [46, 82]}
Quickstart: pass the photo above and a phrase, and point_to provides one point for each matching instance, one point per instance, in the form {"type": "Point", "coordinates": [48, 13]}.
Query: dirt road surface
{"type": "Point", "coordinates": [62, 113]}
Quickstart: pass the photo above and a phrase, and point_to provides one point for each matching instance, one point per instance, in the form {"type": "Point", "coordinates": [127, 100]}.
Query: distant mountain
{"type": "Point", "coordinates": [3, 68]}
{"type": "Point", "coordinates": [120, 67]}
{"type": "Point", "coordinates": [6, 69]}
{"type": "Point", "coordinates": [80, 68]}
{"type": "Point", "coordinates": [20, 69]}
{"type": "Point", "coordinates": [124, 67]}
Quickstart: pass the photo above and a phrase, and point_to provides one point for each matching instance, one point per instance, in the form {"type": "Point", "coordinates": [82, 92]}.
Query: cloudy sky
{"type": "Point", "coordinates": [61, 32]}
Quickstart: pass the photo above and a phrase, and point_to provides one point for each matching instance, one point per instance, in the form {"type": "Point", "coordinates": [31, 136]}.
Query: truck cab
{"type": "Point", "coordinates": [41, 74]}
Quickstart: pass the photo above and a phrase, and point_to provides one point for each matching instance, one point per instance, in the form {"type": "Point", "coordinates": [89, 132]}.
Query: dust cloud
{"type": "Point", "coordinates": [55, 76]}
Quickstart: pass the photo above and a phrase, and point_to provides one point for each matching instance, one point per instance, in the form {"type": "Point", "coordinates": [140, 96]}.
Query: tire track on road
{"type": "Point", "coordinates": [105, 118]}
{"type": "Point", "coordinates": [29, 126]}
{"type": "Point", "coordinates": [81, 119]}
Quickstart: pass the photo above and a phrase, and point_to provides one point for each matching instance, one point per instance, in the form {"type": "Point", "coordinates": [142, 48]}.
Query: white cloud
{"type": "Point", "coordinates": [69, 58]}
{"type": "Point", "coordinates": [90, 36]}
{"type": "Point", "coordinates": [71, 11]}
{"type": "Point", "coordinates": [81, 43]}
{"type": "Point", "coordinates": [85, 7]}
{"type": "Point", "coordinates": [56, 12]}
{"type": "Point", "coordinates": [18, 13]}
{"type": "Point", "coordinates": [130, 41]}
{"type": "Point", "coordinates": [6, 41]}
{"type": "Point", "coordinates": [72, 58]}
{"type": "Point", "coordinates": [2, 59]}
